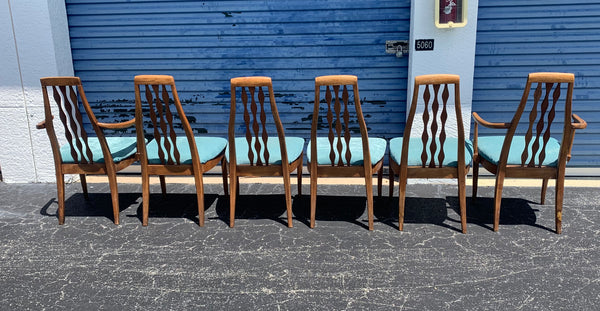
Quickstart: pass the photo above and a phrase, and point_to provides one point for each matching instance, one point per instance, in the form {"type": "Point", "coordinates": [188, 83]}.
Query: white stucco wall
{"type": "Point", "coordinates": [35, 44]}
{"type": "Point", "coordinates": [454, 53]}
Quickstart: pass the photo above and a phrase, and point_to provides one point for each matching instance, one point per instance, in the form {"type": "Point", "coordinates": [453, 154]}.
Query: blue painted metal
{"type": "Point", "coordinates": [205, 43]}
{"type": "Point", "coordinates": [515, 37]}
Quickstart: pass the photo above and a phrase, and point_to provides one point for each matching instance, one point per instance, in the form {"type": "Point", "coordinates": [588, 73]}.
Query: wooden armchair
{"type": "Point", "coordinates": [171, 153]}
{"type": "Point", "coordinates": [339, 154]}
{"type": "Point", "coordinates": [258, 154]}
{"type": "Point", "coordinates": [532, 155]}
{"type": "Point", "coordinates": [83, 154]}
{"type": "Point", "coordinates": [433, 154]}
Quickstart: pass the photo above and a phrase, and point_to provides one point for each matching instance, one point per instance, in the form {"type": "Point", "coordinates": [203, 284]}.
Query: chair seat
{"type": "Point", "coordinates": [294, 147]}
{"type": "Point", "coordinates": [377, 148]}
{"type": "Point", "coordinates": [490, 148]}
{"type": "Point", "coordinates": [415, 148]}
{"type": "Point", "coordinates": [120, 149]}
{"type": "Point", "coordinates": [208, 149]}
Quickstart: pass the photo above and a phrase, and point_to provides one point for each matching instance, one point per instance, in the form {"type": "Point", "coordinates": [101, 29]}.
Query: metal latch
{"type": "Point", "coordinates": [398, 47]}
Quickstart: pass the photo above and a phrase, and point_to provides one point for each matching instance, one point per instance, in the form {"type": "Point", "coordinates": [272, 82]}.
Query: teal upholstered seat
{"type": "Point", "coordinates": [294, 147]}
{"type": "Point", "coordinates": [377, 148]}
{"type": "Point", "coordinates": [120, 148]}
{"type": "Point", "coordinates": [415, 148]}
{"type": "Point", "coordinates": [491, 146]}
{"type": "Point", "coordinates": [208, 149]}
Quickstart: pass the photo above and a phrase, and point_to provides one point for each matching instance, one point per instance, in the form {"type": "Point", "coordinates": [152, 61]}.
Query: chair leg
{"type": "Point", "coordinates": [60, 187]}
{"type": "Point", "coordinates": [288, 197]}
{"type": "Point", "coordinates": [401, 201]}
{"type": "Point", "coordinates": [84, 186]}
{"type": "Point", "coordinates": [163, 185]}
{"type": "Point", "coordinates": [498, 198]}
{"type": "Point", "coordinates": [391, 178]}
{"type": "Point", "coordinates": [544, 187]}
{"type": "Point", "coordinates": [200, 197]}
{"type": "Point", "coordinates": [369, 186]}
{"type": "Point", "coordinates": [224, 175]}
{"type": "Point", "coordinates": [313, 197]}
{"type": "Point", "coordinates": [299, 176]}
{"type": "Point", "coordinates": [379, 181]}
{"type": "Point", "coordinates": [233, 183]}
{"type": "Point", "coordinates": [114, 193]}
{"type": "Point", "coordinates": [560, 190]}
{"type": "Point", "coordinates": [462, 199]}
{"type": "Point", "coordinates": [475, 180]}
{"type": "Point", "coordinates": [145, 198]}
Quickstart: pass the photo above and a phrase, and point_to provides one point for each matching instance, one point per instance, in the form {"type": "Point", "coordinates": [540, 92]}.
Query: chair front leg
{"type": "Point", "coordinates": [498, 197]}
{"type": "Point", "coordinates": [114, 193]}
{"type": "Point", "coordinates": [559, 195]}
{"type": "Point", "coordinates": [224, 175]}
{"type": "Point", "coordinates": [544, 187]}
{"type": "Point", "coordinates": [475, 178]}
{"type": "Point", "coordinates": [83, 182]}
{"type": "Point", "coordinates": [60, 187]}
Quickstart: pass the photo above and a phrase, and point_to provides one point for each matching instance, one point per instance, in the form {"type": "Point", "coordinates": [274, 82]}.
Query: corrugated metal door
{"type": "Point", "coordinates": [517, 37]}
{"type": "Point", "coordinates": [205, 43]}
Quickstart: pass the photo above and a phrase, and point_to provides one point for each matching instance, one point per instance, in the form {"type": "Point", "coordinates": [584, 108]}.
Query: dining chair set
{"type": "Point", "coordinates": [433, 144]}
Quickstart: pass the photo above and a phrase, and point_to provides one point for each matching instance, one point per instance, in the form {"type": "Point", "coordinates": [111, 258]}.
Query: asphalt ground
{"type": "Point", "coordinates": [173, 264]}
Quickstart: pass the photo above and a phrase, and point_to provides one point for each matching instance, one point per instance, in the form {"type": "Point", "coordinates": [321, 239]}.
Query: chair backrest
{"type": "Point", "coordinates": [255, 121]}
{"type": "Point", "coordinates": [66, 94]}
{"type": "Point", "coordinates": [436, 91]}
{"type": "Point", "coordinates": [164, 109]}
{"type": "Point", "coordinates": [338, 123]}
{"type": "Point", "coordinates": [552, 92]}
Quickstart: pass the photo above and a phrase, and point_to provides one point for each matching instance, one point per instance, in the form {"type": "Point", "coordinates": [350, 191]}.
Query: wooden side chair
{"type": "Point", "coordinates": [83, 154]}
{"type": "Point", "coordinates": [339, 154]}
{"type": "Point", "coordinates": [257, 153]}
{"type": "Point", "coordinates": [171, 153]}
{"type": "Point", "coordinates": [536, 154]}
{"type": "Point", "coordinates": [432, 154]}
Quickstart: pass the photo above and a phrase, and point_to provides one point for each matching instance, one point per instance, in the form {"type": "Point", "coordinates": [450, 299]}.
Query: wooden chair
{"type": "Point", "coordinates": [258, 154]}
{"type": "Point", "coordinates": [83, 154]}
{"type": "Point", "coordinates": [339, 154]}
{"type": "Point", "coordinates": [170, 153]}
{"type": "Point", "coordinates": [545, 157]}
{"type": "Point", "coordinates": [432, 154]}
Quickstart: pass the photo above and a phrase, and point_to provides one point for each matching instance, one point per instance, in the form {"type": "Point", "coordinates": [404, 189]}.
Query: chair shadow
{"type": "Point", "coordinates": [514, 211]}
{"type": "Point", "coordinates": [333, 208]}
{"type": "Point", "coordinates": [416, 211]}
{"type": "Point", "coordinates": [96, 205]}
{"type": "Point", "coordinates": [261, 206]}
{"type": "Point", "coordinates": [175, 205]}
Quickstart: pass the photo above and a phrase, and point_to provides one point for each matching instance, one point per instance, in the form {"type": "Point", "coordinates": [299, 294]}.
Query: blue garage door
{"type": "Point", "coordinates": [517, 37]}
{"type": "Point", "coordinates": [205, 43]}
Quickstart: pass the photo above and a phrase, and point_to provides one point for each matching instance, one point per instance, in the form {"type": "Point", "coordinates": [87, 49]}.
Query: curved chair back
{"type": "Point", "coordinates": [256, 124]}
{"type": "Point", "coordinates": [436, 92]}
{"type": "Point", "coordinates": [67, 92]}
{"type": "Point", "coordinates": [552, 92]}
{"type": "Point", "coordinates": [165, 114]}
{"type": "Point", "coordinates": [338, 118]}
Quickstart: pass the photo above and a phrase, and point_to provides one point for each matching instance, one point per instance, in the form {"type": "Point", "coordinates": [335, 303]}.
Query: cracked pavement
{"type": "Point", "coordinates": [91, 264]}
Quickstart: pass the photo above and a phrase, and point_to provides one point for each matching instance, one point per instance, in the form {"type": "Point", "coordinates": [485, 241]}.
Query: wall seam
{"type": "Point", "coordinates": [23, 91]}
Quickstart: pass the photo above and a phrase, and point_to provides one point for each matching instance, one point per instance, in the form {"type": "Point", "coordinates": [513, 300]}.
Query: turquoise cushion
{"type": "Point", "coordinates": [208, 149]}
{"type": "Point", "coordinates": [377, 148]}
{"type": "Point", "coordinates": [491, 146]}
{"type": "Point", "coordinates": [415, 148]}
{"type": "Point", "coordinates": [120, 148]}
{"type": "Point", "coordinates": [294, 147]}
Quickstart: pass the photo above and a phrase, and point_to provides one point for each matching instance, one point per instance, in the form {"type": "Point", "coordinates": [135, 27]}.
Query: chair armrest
{"type": "Point", "coordinates": [41, 125]}
{"type": "Point", "coordinates": [117, 125]}
{"type": "Point", "coordinates": [579, 123]}
{"type": "Point", "coordinates": [485, 123]}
